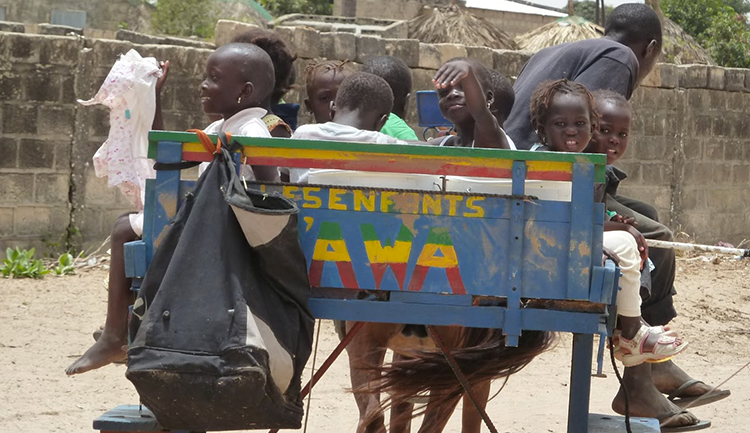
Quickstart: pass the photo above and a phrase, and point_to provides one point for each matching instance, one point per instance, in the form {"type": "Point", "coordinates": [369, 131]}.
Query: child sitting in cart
{"type": "Point", "coordinates": [465, 97]}
{"type": "Point", "coordinates": [238, 79]}
{"type": "Point", "coordinates": [322, 81]}
{"type": "Point", "coordinates": [355, 118]}
{"type": "Point", "coordinates": [564, 116]}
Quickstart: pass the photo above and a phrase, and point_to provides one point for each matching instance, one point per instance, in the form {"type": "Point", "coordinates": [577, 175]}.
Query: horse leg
{"type": "Point", "coordinates": [471, 420]}
{"type": "Point", "coordinates": [401, 413]}
{"type": "Point", "coordinates": [436, 417]}
{"type": "Point", "coordinates": [367, 349]}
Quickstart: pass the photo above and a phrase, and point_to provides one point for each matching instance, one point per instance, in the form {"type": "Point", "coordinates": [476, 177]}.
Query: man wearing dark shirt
{"type": "Point", "coordinates": [618, 62]}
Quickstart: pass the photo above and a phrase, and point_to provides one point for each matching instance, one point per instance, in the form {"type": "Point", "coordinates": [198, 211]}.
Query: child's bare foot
{"type": "Point", "coordinates": [106, 350]}
{"type": "Point", "coordinates": [646, 401]}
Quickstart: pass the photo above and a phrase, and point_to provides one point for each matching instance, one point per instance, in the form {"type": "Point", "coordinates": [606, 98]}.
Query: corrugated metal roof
{"type": "Point", "coordinates": [511, 6]}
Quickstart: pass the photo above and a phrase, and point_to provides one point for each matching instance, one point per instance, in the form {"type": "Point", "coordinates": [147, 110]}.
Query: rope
{"type": "Point", "coordinates": [717, 386]}
{"type": "Point", "coordinates": [622, 385]}
{"type": "Point", "coordinates": [329, 361]}
{"type": "Point", "coordinates": [315, 357]}
{"type": "Point", "coordinates": [461, 378]}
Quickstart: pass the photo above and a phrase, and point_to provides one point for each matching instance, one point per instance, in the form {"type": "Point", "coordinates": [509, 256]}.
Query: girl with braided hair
{"type": "Point", "coordinates": [322, 81]}
{"type": "Point", "coordinates": [564, 116]}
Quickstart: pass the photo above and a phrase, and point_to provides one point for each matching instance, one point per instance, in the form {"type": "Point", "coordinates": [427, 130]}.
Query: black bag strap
{"type": "Point", "coordinates": [175, 165]}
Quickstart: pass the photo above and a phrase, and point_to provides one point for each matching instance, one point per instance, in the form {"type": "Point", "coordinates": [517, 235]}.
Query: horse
{"type": "Point", "coordinates": [419, 366]}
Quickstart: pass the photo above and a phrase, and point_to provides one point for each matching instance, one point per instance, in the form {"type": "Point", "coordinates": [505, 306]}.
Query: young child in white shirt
{"type": "Point", "coordinates": [361, 108]}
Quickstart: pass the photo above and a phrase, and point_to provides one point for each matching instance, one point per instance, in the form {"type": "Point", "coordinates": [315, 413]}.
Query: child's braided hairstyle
{"type": "Point", "coordinates": [542, 98]}
{"type": "Point", "coordinates": [323, 65]}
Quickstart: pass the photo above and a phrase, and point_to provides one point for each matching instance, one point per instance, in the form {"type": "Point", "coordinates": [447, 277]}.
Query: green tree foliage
{"type": "Point", "coordinates": [718, 25]}
{"type": "Point", "coordinates": [283, 7]}
{"type": "Point", "coordinates": [185, 18]}
{"type": "Point", "coordinates": [739, 6]}
{"type": "Point", "coordinates": [587, 9]}
{"type": "Point", "coordinates": [728, 41]}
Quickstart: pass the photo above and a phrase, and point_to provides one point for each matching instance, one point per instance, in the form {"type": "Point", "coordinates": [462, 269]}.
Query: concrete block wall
{"type": "Point", "coordinates": [512, 23]}
{"type": "Point", "coordinates": [51, 198]}
{"type": "Point", "coordinates": [689, 152]}
{"type": "Point", "coordinates": [390, 9]}
{"type": "Point", "coordinates": [37, 82]}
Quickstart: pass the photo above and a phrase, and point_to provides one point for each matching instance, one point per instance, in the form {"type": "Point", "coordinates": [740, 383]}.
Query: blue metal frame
{"type": "Point", "coordinates": [569, 235]}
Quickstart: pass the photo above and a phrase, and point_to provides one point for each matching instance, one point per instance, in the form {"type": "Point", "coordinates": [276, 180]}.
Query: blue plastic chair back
{"type": "Point", "coordinates": [428, 110]}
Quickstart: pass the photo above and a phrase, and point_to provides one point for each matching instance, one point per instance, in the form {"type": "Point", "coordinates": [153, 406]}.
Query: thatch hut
{"type": "Point", "coordinates": [454, 25]}
{"type": "Point", "coordinates": [679, 47]}
{"type": "Point", "coordinates": [566, 29]}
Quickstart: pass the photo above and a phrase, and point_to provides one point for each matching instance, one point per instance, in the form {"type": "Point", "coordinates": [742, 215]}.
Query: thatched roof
{"type": "Point", "coordinates": [680, 48]}
{"type": "Point", "coordinates": [567, 29]}
{"type": "Point", "coordinates": [454, 25]}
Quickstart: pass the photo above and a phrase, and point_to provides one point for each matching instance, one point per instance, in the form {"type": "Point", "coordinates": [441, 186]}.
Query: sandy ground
{"type": "Point", "coordinates": [46, 324]}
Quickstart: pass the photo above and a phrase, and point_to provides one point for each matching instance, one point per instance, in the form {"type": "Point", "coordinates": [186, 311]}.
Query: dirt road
{"type": "Point", "coordinates": [46, 324]}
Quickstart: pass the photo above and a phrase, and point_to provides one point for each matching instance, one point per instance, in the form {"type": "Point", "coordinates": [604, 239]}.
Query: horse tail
{"type": "Point", "coordinates": [481, 355]}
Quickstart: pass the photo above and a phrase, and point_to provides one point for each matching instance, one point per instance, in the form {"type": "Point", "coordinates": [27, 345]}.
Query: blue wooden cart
{"type": "Point", "coordinates": [434, 250]}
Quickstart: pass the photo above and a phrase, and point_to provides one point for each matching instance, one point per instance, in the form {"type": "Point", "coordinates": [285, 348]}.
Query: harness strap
{"type": "Point", "coordinates": [207, 143]}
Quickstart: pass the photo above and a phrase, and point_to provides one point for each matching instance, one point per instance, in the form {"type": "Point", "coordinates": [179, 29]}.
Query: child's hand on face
{"type": "Point", "coordinates": [164, 67]}
{"type": "Point", "coordinates": [451, 74]}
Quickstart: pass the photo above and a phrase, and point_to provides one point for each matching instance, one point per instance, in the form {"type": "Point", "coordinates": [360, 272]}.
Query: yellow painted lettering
{"type": "Point", "coordinates": [331, 251]}
{"type": "Point", "coordinates": [385, 200]}
{"type": "Point", "coordinates": [362, 201]}
{"type": "Point", "coordinates": [378, 253]}
{"type": "Point", "coordinates": [334, 199]}
{"type": "Point", "coordinates": [453, 203]}
{"type": "Point", "coordinates": [311, 201]}
{"type": "Point", "coordinates": [289, 191]}
{"type": "Point", "coordinates": [438, 256]}
{"type": "Point", "coordinates": [478, 210]}
{"type": "Point", "coordinates": [432, 204]}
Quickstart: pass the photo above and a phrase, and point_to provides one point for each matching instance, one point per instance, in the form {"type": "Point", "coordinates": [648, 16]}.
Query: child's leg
{"type": "Point", "coordinates": [638, 342]}
{"type": "Point", "coordinates": [629, 297]}
{"type": "Point", "coordinates": [109, 347]}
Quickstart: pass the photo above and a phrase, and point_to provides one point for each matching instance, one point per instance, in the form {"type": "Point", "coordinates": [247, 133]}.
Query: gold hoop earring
{"type": "Point", "coordinates": [239, 100]}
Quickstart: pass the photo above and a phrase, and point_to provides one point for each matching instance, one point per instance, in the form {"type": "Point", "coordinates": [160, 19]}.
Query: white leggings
{"type": "Point", "coordinates": [623, 244]}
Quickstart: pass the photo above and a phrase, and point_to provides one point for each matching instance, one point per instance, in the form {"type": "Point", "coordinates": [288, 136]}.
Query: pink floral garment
{"type": "Point", "coordinates": [129, 92]}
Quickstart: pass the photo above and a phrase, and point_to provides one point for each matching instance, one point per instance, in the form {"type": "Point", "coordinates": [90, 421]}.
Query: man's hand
{"type": "Point", "coordinates": [625, 220]}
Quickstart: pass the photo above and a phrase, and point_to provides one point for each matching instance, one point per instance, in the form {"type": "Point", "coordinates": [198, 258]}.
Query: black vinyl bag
{"type": "Point", "coordinates": [221, 330]}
